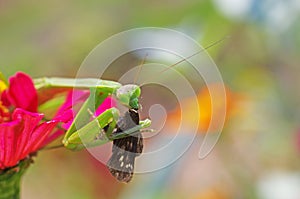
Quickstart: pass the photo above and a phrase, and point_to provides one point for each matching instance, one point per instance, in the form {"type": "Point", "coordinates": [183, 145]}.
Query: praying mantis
{"type": "Point", "coordinates": [83, 132]}
{"type": "Point", "coordinates": [108, 126]}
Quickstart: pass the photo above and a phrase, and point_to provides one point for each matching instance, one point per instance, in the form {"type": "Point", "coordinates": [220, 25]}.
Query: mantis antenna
{"type": "Point", "coordinates": [140, 68]}
{"type": "Point", "coordinates": [186, 58]}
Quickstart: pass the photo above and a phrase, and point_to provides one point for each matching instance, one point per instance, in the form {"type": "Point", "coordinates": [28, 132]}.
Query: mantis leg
{"type": "Point", "coordinates": [88, 135]}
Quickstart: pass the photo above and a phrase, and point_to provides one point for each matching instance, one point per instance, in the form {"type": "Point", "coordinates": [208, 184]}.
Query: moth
{"type": "Point", "coordinates": [125, 150]}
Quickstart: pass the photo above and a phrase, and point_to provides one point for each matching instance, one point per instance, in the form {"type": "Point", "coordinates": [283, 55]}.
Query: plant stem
{"type": "Point", "coordinates": [10, 180]}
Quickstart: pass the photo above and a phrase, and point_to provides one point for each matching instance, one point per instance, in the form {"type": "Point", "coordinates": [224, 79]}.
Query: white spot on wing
{"type": "Point", "coordinates": [121, 158]}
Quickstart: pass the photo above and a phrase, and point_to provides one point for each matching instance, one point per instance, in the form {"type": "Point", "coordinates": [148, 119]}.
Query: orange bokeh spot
{"type": "Point", "coordinates": [213, 193]}
{"type": "Point", "coordinates": [205, 102]}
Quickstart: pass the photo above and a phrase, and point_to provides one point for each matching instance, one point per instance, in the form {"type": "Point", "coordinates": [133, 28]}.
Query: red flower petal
{"type": "Point", "coordinates": [43, 131]}
{"type": "Point", "coordinates": [39, 135]}
{"type": "Point", "coordinates": [29, 123]}
{"type": "Point", "coordinates": [4, 98]}
{"type": "Point", "coordinates": [21, 92]}
{"type": "Point", "coordinates": [53, 137]}
{"type": "Point", "coordinates": [14, 136]}
{"type": "Point", "coordinates": [7, 144]}
{"type": "Point", "coordinates": [74, 98]}
{"type": "Point", "coordinates": [65, 118]}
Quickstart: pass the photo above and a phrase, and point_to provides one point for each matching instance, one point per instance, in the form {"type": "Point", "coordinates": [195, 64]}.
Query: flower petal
{"type": "Point", "coordinates": [39, 135]}
{"type": "Point", "coordinates": [7, 144]}
{"type": "Point", "coordinates": [74, 98]}
{"type": "Point", "coordinates": [53, 136]}
{"type": "Point", "coordinates": [15, 135]}
{"type": "Point", "coordinates": [29, 122]}
{"type": "Point", "coordinates": [65, 118]}
{"type": "Point", "coordinates": [43, 131]}
{"type": "Point", "coordinates": [21, 92]}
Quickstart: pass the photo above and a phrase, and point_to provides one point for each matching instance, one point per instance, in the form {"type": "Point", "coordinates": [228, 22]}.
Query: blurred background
{"type": "Point", "coordinates": [258, 153]}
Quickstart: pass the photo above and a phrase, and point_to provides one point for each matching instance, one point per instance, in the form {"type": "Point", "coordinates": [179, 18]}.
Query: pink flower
{"type": "Point", "coordinates": [22, 130]}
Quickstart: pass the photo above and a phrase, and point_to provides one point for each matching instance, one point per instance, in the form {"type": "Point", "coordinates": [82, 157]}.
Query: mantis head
{"type": "Point", "coordinates": [128, 95]}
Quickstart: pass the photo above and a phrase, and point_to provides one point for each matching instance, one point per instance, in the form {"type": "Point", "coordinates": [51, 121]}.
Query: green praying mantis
{"type": "Point", "coordinates": [125, 131]}
{"type": "Point", "coordinates": [85, 133]}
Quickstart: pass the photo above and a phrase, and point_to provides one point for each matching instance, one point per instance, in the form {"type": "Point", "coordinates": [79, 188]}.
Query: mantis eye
{"type": "Point", "coordinates": [128, 95]}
